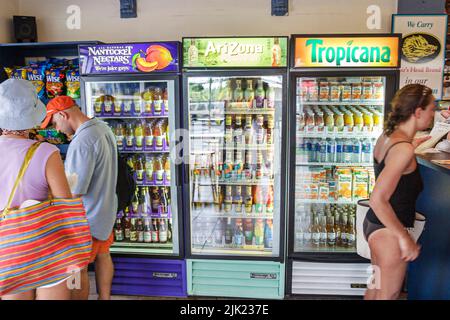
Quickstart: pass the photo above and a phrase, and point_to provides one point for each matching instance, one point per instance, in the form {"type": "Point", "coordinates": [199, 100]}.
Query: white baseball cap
{"type": "Point", "coordinates": [20, 107]}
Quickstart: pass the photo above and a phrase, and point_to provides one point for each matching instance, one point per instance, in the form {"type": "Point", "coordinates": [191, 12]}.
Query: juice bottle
{"type": "Point", "coordinates": [166, 101]}
{"type": "Point", "coordinates": [276, 53]}
{"type": "Point", "coordinates": [108, 102]}
{"type": "Point", "coordinates": [157, 101]}
{"type": "Point", "coordinates": [238, 95]}
{"type": "Point", "coordinates": [127, 101]}
{"type": "Point", "coordinates": [368, 120]}
{"type": "Point", "coordinates": [238, 199]}
{"type": "Point", "coordinates": [158, 169]}
{"type": "Point", "coordinates": [249, 94]}
{"type": "Point", "coordinates": [268, 234]}
{"type": "Point", "coordinates": [147, 96]}
{"type": "Point", "coordinates": [248, 200]}
{"type": "Point", "coordinates": [259, 94]}
{"type": "Point", "coordinates": [349, 121]}
{"type": "Point", "coordinates": [269, 200]}
{"type": "Point", "coordinates": [167, 168]}
{"type": "Point", "coordinates": [192, 53]}
{"type": "Point", "coordinates": [118, 105]}
{"type": "Point", "coordinates": [130, 136]}
{"type": "Point", "coordinates": [137, 109]}
{"type": "Point", "coordinates": [148, 133]}
{"type": "Point", "coordinates": [149, 168]}
{"type": "Point", "coordinates": [119, 132]}
{"type": "Point", "coordinates": [248, 231]}
{"type": "Point", "coordinates": [259, 232]}
{"type": "Point", "coordinates": [270, 96]}
{"type": "Point", "coordinates": [228, 200]}
{"type": "Point", "coordinates": [139, 135]}
{"type": "Point", "coordinates": [98, 103]}
{"type": "Point", "coordinates": [139, 170]}
{"type": "Point", "coordinates": [159, 134]}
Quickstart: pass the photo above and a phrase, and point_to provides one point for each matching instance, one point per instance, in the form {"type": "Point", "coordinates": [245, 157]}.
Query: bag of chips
{"type": "Point", "coordinates": [73, 83]}
{"type": "Point", "coordinates": [36, 74]}
{"type": "Point", "coordinates": [55, 86]}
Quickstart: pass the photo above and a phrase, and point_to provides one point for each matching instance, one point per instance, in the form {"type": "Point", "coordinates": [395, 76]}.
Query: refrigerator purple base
{"type": "Point", "coordinates": [149, 277]}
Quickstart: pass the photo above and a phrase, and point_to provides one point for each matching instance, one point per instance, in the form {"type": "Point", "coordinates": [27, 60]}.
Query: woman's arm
{"type": "Point", "coordinates": [56, 177]}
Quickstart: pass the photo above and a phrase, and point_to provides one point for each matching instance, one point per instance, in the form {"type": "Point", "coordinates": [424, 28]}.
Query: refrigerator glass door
{"type": "Point", "coordinates": [338, 120]}
{"type": "Point", "coordinates": [234, 165]}
{"type": "Point", "coordinates": [141, 115]}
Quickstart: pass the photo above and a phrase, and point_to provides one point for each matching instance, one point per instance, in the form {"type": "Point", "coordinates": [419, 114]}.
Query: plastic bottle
{"type": "Point", "coordinates": [322, 157]}
{"type": "Point", "coordinates": [356, 151]}
{"type": "Point", "coordinates": [347, 154]}
{"type": "Point", "coordinates": [366, 148]}
{"type": "Point", "coordinates": [268, 234]}
{"type": "Point", "coordinates": [331, 150]}
{"type": "Point", "coordinates": [339, 150]}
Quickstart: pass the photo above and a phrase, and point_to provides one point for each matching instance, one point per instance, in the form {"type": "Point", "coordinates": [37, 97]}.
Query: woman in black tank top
{"type": "Point", "coordinates": [398, 185]}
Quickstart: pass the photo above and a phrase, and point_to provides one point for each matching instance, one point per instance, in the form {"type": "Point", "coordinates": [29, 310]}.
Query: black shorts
{"type": "Point", "coordinates": [370, 227]}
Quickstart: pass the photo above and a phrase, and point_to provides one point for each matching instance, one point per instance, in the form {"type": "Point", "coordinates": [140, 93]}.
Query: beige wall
{"type": "Point", "coordinates": [172, 19]}
{"type": "Point", "coordinates": [8, 8]}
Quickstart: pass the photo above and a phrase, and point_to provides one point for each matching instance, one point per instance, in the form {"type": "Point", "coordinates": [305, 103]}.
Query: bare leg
{"type": "Point", "coordinates": [83, 293]}
{"type": "Point", "coordinates": [372, 292]}
{"type": "Point", "coordinates": [29, 295]}
{"type": "Point", "coordinates": [104, 272]}
{"type": "Point", "coordinates": [59, 292]}
{"type": "Point", "coordinates": [384, 244]}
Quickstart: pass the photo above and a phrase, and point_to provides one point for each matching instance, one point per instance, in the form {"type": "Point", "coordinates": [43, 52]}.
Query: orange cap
{"type": "Point", "coordinates": [55, 105]}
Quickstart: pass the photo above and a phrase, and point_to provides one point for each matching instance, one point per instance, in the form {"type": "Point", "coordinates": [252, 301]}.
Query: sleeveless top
{"type": "Point", "coordinates": [403, 200]}
{"type": "Point", "coordinates": [34, 183]}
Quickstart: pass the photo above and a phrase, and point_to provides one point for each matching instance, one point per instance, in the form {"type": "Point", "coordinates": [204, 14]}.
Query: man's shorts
{"type": "Point", "coordinates": [99, 247]}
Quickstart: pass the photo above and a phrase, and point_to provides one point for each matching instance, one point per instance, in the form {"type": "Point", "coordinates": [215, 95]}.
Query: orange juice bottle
{"type": "Point", "coordinates": [157, 101]}
{"type": "Point", "coordinates": [167, 168]}
{"type": "Point", "coordinates": [147, 96]}
{"type": "Point", "coordinates": [158, 169]}
{"type": "Point", "coordinates": [159, 135]}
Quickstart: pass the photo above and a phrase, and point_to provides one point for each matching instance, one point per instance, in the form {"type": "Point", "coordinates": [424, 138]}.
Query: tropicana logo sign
{"type": "Point", "coordinates": [346, 52]}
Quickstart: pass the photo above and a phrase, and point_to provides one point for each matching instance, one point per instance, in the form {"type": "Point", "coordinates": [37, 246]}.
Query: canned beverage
{"type": "Point", "coordinates": [367, 91]}
{"type": "Point", "coordinates": [368, 120]}
{"type": "Point", "coordinates": [356, 91]}
{"type": "Point", "coordinates": [339, 121]}
{"type": "Point", "coordinates": [346, 93]}
{"type": "Point", "coordinates": [335, 91]}
{"type": "Point", "coordinates": [324, 91]}
{"type": "Point", "coordinates": [313, 91]}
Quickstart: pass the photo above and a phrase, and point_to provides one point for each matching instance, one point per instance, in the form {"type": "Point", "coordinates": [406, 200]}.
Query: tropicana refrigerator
{"type": "Point", "coordinates": [340, 89]}
{"type": "Point", "coordinates": [235, 114]}
{"type": "Point", "coordinates": [134, 87]}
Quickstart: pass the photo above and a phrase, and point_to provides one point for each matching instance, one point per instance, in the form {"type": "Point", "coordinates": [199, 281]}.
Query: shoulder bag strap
{"type": "Point", "coordinates": [25, 164]}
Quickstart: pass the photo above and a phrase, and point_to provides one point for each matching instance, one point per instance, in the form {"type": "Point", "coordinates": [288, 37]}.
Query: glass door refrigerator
{"type": "Point", "coordinates": [234, 113]}
{"type": "Point", "coordinates": [341, 86]}
{"type": "Point", "coordinates": [134, 87]}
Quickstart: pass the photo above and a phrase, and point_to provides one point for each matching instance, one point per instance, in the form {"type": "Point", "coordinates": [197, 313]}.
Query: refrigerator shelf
{"type": "Point", "coordinates": [323, 201]}
{"type": "Point", "coordinates": [262, 182]}
{"type": "Point", "coordinates": [233, 215]}
{"type": "Point", "coordinates": [131, 118]}
{"type": "Point", "coordinates": [142, 245]}
{"type": "Point", "coordinates": [326, 249]}
{"type": "Point", "coordinates": [335, 164]}
{"type": "Point", "coordinates": [240, 148]}
{"type": "Point", "coordinates": [217, 112]}
{"type": "Point", "coordinates": [342, 134]}
{"type": "Point", "coordinates": [144, 151]}
{"type": "Point", "coordinates": [152, 185]}
{"type": "Point", "coordinates": [342, 103]}
{"type": "Point", "coordinates": [200, 248]}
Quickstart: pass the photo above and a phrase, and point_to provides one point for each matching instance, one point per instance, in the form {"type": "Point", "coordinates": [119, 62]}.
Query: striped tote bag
{"type": "Point", "coordinates": [41, 244]}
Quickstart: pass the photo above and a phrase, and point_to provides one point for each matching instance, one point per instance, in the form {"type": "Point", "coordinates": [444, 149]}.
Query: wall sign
{"type": "Point", "coordinates": [235, 52]}
{"type": "Point", "coordinates": [330, 51]}
{"type": "Point", "coordinates": [422, 49]}
{"type": "Point", "coordinates": [129, 58]}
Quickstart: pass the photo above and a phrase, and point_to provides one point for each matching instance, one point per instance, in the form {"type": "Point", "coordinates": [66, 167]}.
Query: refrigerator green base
{"type": "Point", "coordinates": [236, 278]}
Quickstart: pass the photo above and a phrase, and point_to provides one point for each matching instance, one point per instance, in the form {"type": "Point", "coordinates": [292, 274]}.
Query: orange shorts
{"type": "Point", "coordinates": [99, 246]}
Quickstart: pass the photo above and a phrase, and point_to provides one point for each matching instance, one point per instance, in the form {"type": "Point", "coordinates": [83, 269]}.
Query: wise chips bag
{"type": "Point", "coordinates": [55, 77]}
{"type": "Point", "coordinates": [73, 83]}
{"type": "Point", "coordinates": [36, 74]}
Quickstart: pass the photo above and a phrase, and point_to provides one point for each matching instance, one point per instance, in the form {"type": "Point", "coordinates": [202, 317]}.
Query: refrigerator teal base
{"type": "Point", "coordinates": [236, 278]}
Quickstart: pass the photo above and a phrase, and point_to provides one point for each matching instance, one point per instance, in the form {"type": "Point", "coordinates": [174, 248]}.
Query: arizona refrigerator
{"type": "Point", "coordinates": [134, 87]}
{"type": "Point", "coordinates": [234, 111]}
{"type": "Point", "coordinates": [340, 88]}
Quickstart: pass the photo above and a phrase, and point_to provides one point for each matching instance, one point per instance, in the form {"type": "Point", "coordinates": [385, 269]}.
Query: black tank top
{"type": "Point", "coordinates": [403, 200]}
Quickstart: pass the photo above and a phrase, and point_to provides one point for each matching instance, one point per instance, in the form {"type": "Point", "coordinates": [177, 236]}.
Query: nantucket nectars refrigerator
{"type": "Point", "coordinates": [234, 106]}
{"type": "Point", "coordinates": [134, 87]}
{"type": "Point", "coordinates": [340, 89]}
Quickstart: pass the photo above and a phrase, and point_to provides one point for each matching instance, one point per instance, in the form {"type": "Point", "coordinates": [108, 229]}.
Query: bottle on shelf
{"type": "Point", "coordinates": [139, 167]}
{"type": "Point", "coordinates": [228, 165]}
{"type": "Point", "coordinates": [238, 233]}
{"type": "Point", "coordinates": [258, 200]}
{"type": "Point", "coordinates": [147, 231]}
{"type": "Point", "coordinates": [269, 130]}
{"type": "Point", "coordinates": [147, 96]}
{"type": "Point", "coordinates": [228, 199]}
{"type": "Point", "coordinates": [163, 237]}
{"type": "Point", "coordinates": [169, 230]}
{"type": "Point", "coordinates": [127, 224]}
{"type": "Point", "coordinates": [248, 171]}
{"type": "Point", "coordinates": [259, 165]}
{"type": "Point", "coordinates": [157, 101]}
{"type": "Point", "coordinates": [129, 139]}
{"type": "Point", "coordinates": [238, 132]}
{"type": "Point", "coordinates": [249, 94]}
{"type": "Point", "coordinates": [158, 169]}
{"type": "Point", "coordinates": [98, 102]}
{"type": "Point", "coordinates": [137, 108]}
{"type": "Point", "coordinates": [259, 94]}
{"type": "Point", "coordinates": [118, 230]}
{"type": "Point", "coordinates": [119, 132]}
{"type": "Point", "coordinates": [118, 105]}
{"type": "Point", "coordinates": [248, 200]}
{"type": "Point", "coordinates": [149, 165]}
{"type": "Point", "coordinates": [270, 96]}
{"type": "Point", "coordinates": [139, 135]}
{"type": "Point", "coordinates": [238, 200]}
{"type": "Point", "coordinates": [260, 132]}
{"type": "Point", "coordinates": [248, 231]}
{"type": "Point", "coordinates": [351, 232]}
{"type": "Point", "coordinates": [159, 133]}
{"type": "Point", "coordinates": [315, 231]}
{"type": "Point", "coordinates": [127, 101]}
{"type": "Point", "coordinates": [108, 102]}
{"type": "Point", "coordinates": [331, 232]}
{"type": "Point", "coordinates": [155, 231]}
{"type": "Point", "coordinates": [259, 232]}
{"type": "Point", "coordinates": [269, 200]}
{"type": "Point", "coordinates": [268, 234]}
{"type": "Point", "coordinates": [228, 232]}
{"type": "Point", "coordinates": [238, 94]}
{"type": "Point", "coordinates": [140, 231]}
{"type": "Point", "coordinates": [228, 137]}
{"type": "Point", "coordinates": [156, 199]}
{"type": "Point", "coordinates": [248, 130]}
{"type": "Point", "coordinates": [133, 231]}
{"type": "Point", "coordinates": [323, 231]}
{"type": "Point", "coordinates": [238, 166]}
{"type": "Point", "coordinates": [166, 165]}
{"type": "Point", "coordinates": [135, 201]}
